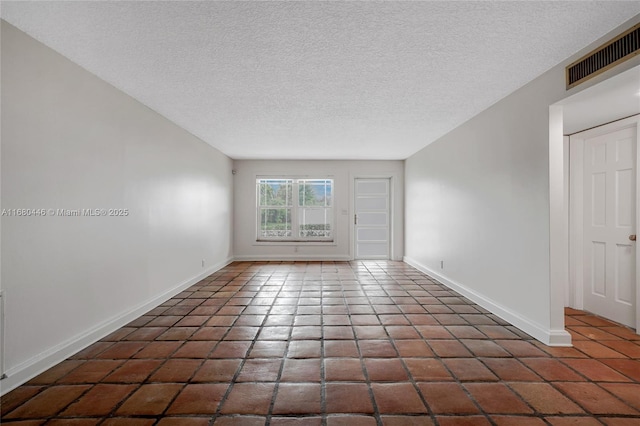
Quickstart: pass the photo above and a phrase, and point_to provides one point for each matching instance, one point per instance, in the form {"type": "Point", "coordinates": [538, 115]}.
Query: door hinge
{"type": "Point", "coordinates": [355, 219]}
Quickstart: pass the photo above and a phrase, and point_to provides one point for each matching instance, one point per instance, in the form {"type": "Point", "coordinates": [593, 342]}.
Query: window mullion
{"type": "Point", "coordinates": [295, 223]}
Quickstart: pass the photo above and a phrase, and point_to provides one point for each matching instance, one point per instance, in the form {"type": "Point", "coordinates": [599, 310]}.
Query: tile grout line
{"type": "Point", "coordinates": [239, 368]}
{"type": "Point", "coordinates": [393, 281]}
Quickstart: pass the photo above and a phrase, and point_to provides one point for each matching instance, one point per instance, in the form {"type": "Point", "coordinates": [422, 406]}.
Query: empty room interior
{"type": "Point", "coordinates": [319, 213]}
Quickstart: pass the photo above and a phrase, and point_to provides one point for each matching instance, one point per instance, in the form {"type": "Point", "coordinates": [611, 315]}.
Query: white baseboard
{"type": "Point", "coordinates": [290, 258]}
{"type": "Point", "coordinates": [30, 368]}
{"type": "Point", "coordinates": [543, 334]}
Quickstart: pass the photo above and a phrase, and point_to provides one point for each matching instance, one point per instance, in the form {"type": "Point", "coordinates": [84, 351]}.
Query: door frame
{"type": "Point", "coordinates": [575, 144]}
{"type": "Point", "coordinates": [352, 209]}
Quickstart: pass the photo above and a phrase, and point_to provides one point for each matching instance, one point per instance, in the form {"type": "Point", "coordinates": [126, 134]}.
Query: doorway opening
{"type": "Point", "coordinates": [608, 101]}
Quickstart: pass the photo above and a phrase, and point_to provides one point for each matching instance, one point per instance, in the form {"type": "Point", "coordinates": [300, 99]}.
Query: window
{"type": "Point", "coordinates": [295, 209]}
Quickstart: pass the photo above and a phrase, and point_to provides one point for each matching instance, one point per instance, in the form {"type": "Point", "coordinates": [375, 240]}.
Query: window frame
{"type": "Point", "coordinates": [295, 211]}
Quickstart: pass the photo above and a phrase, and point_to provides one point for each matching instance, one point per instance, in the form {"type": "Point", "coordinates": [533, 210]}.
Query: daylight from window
{"type": "Point", "coordinates": [295, 209]}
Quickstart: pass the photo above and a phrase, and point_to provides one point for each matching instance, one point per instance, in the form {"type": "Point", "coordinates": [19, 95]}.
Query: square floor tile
{"type": "Point", "coordinates": [627, 392]}
{"type": "Point", "coordinates": [594, 399]}
{"type": "Point", "coordinates": [18, 396]}
{"type": "Point", "coordinates": [230, 350]}
{"type": "Point", "coordinates": [627, 367]}
{"type": "Point", "coordinates": [301, 370]}
{"type": "Point", "coordinates": [260, 370]}
{"type": "Point", "coordinates": [198, 399]}
{"type": "Point", "coordinates": [496, 398]}
{"type": "Point", "coordinates": [48, 402]}
{"type": "Point", "coordinates": [249, 398]}
{"type": "Point", "coordinates": [158, 350]}
{"type": "Point", "coordinates": [428, 369]}
{"type": "Point", "coordinates": [176, 370]}
{"type": "Point", "coordinates": [121, 350]}
{"type": "Point", "coordinates": [385, 370]}
{"type": "Point", "coordinates": [133, 371]}
{"type": "Point", "coordinates": [197, 349]}
{"type": "Point", "coordinates": [511, 370]}
{"type": "Point", "coordinates": [397, 398]}
{"type": "Point", "coordinates": [545, 399]}
{"type": "Point", "coordinates": [447, 398]}
{"type": "Point", "coordinates": [150, 399]}
{"type": "Point", "coordinates": [305, 349]}
{"type": "Point", "coordinates": [343, 369]}
{"type": "Point", "coordinates": [100, 400]}
{"type": "Point", "coordinates": [298, 398]}
{"type": "Point", "coordinates": [217, 370]}
{"type": "Point", "coordinates": [348, 398]}
{"type": "Point", "coordinates": [595, 370]}
{"type": "Point", "coordinates": [552, 369]}
{"type": "Point", "coordinates": [449, 349]}
{"type": "Point", "coordinates": [268, 349]}
{"type": "Point", "coordinates": [469, 369]}
{"type": "Point", "coordinates": [377, 349]}
{"type": "Point", "coordinates": [55, 373]}
{"type": "Point", "coordinates": [340, 348]}
{"type": "Point", "coordinates": [91, 371]}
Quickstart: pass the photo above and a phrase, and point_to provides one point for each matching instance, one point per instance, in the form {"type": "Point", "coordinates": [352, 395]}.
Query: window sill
{"type": "Point", "coordinates": [294, 243]}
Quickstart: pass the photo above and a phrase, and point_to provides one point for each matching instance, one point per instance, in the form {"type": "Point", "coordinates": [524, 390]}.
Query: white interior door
{"type": "Point", "coordinates": [609, 252]}
{"type": "Point", "coordinates": [371, 219]}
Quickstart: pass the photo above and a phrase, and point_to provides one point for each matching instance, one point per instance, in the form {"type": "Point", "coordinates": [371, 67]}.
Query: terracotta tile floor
{"type": "Point", "coordinates": [335, 343]}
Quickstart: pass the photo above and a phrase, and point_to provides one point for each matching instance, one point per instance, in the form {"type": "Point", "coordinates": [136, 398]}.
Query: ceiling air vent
{"type": "Point", "coordinates": [607, 56]}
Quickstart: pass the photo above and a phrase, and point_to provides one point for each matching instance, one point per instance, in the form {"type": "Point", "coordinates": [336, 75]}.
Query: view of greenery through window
{"type": "Point", "coordinates": [295, 209]}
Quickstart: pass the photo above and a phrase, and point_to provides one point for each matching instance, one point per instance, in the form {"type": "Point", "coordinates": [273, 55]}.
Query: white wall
{"type": "Point", "coordinates": [343, 173]}
{"type": "Point", "coordinates": [72, 141]}
{"type": "Point", "coordinates": [479, 200]}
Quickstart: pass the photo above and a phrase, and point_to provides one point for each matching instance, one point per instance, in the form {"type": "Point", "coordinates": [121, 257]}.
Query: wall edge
{"type": "Point", "coordinates": [546, 335]}
{"type": "Point", "coordinates": [32, 367]}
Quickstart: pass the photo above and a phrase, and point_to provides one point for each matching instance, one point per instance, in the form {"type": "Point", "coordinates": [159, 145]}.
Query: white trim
{"type": "Point", "coordinates": [544, 334]}
{"type": "Point", "coordinates": [637, 225]}
{"type": "Point", "coordinates": [558, 220]}
{"type": "Point", "coordinates": [302, 243]}
{"type": "Point", "coordinates": [565, 231]}
{"type": "Point", "coordinates": [288, 258]}
{"type": "Point", "coordinates": [576, 183]}
{"type": "Point", "coordinates": [295, 208]}
{"type": "Point", "coordinates": [30, 368]}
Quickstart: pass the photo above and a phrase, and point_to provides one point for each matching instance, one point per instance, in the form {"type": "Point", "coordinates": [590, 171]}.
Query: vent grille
{"type": "Point", "coordinates": [618, 50]}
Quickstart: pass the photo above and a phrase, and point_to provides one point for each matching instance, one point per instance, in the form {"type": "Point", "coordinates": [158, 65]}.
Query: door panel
{"type": "Point", "coordinates": [598, 268]}
{"type": "Point", "coordinates": [609, 220]}
{"type": "Point", "coordinates": [625, 282]}
{"type": "Point", "coordinates": [372, 234]}
{"type": "Point", "coordinates": [372, 186]}
{"type": "Point", "coordinates": [372, 250]}
{"type": "Point", "coordinates": [371, 203]}
{"type": "Point", "coordinates": [372, 218]}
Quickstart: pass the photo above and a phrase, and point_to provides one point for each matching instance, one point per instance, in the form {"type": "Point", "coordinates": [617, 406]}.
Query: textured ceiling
{"type": "Point", "coordinates": [327, 80]}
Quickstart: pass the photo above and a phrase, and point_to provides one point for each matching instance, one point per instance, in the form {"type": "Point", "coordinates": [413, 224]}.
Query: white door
{"type": "Point", "coordinates": [371, 219]}
{"type": "Point", "coordinates": [609, 252]}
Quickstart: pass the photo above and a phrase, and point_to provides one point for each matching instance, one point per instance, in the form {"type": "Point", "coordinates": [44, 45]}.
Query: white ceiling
{"type": "Point", "coordinates": [326, 80]}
